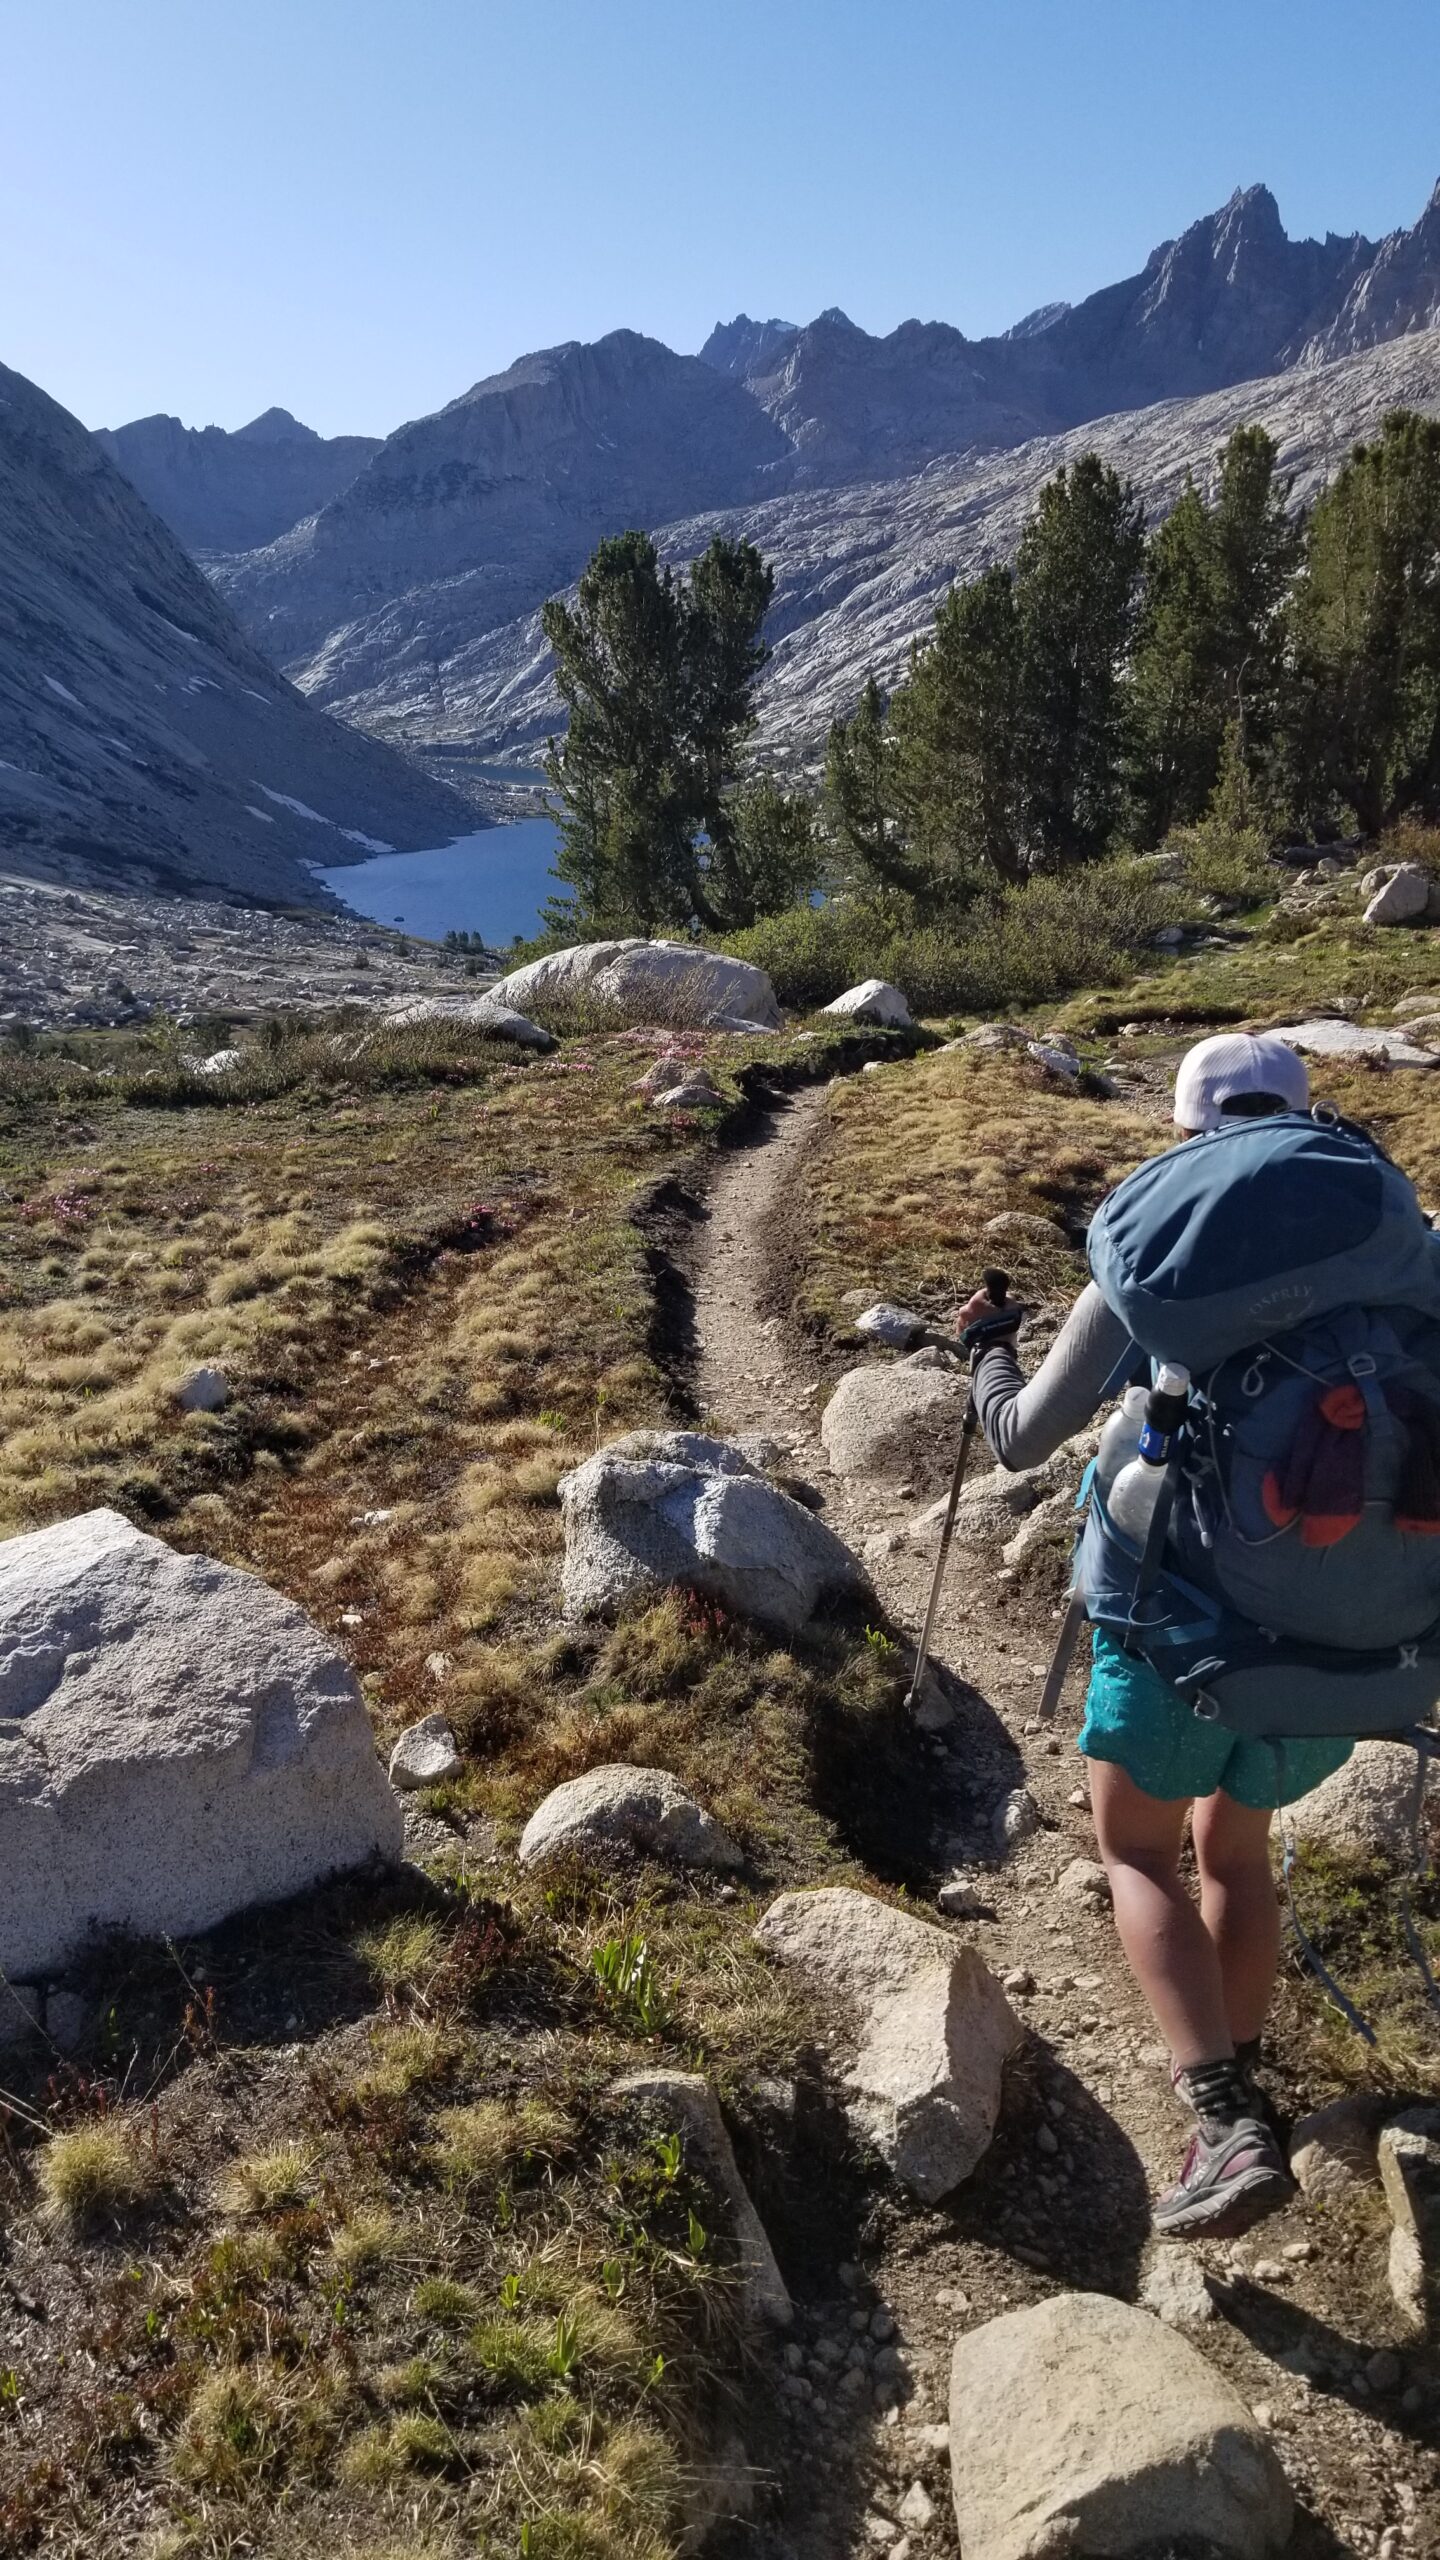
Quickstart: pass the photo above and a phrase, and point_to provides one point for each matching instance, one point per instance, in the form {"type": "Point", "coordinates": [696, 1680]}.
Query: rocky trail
{"type": "Point", "coordinates": [1296, 2315]}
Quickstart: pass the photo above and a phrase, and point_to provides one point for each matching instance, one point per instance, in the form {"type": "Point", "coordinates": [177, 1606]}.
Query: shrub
{"type": "Point", "coordinates": [1017, 949]}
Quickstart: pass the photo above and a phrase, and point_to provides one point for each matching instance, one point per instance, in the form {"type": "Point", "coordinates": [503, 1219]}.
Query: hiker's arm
{"type": "Point", "coordinates": [1025, 1424]}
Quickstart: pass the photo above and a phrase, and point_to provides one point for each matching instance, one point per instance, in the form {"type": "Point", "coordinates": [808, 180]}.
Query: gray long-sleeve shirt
{"type": "Point", "coordinates": [1025, 1424]}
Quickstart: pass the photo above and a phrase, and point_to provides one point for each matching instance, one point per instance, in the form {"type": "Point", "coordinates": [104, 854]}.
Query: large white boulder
{"type": "Point", "coordinates": [1396, 894]}
{"type": "Point", "coordinates": [1366, 1808]}
{"type": "Point", "coordinates": [931, 2028]}
{"type": "Point", "coordinates": [176, 1741]}
{"type": "Point", "coordinates": [661, 1510]}
{"type": "Point", "coordinates": [485, 1015]}
{"type": "Point", "coordinates": [1082, 2425]}
{"type": "Point", "coordinates": [895, 1422]}
{"type": "Point", "coordinates": [1324, 1038]}
{"type": "Point", "coordinates": [626, 1808]}
{"type": "Point", "coordinates": [874, 1000]}
{"type": "Point", "coordinates": [668, 982]}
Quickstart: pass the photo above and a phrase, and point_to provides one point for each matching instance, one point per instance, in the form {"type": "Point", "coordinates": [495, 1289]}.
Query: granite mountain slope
{"type": "Point", "coordinates": [869, 468]}
{"type": "Point", "coordinates": [1232, 299]}
{"type": "Point", "coordinates": [498, 499]}
{"type": "Point", "coordinates": [231, 492]}
{"type": "Point", "coordinates": [143, 742]}
{"type": "Point", "coordinates": [859, 568]}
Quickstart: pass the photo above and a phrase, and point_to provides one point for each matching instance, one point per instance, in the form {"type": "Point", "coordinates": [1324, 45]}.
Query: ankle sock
{"type": "Point", "coordinates": [1216, 2091]}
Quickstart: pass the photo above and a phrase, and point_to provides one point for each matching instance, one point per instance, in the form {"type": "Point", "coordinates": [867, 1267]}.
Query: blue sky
{"type": "Point", "coordinates": [356, 208]}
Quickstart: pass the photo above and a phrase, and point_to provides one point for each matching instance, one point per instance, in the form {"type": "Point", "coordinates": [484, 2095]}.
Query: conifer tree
{"type": "Point", "coordinates": [1077, 574]}
{"type": "Point", "coordinates": [657, 673]}
{"type": "Point", "coordinates": [1367, 628]}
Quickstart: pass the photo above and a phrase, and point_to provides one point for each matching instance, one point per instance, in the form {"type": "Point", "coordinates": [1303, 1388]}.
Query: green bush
{"type": "Point", "coordinates": [1018, 949]}
{"type": "Point", "coordinates": [1225, 862]}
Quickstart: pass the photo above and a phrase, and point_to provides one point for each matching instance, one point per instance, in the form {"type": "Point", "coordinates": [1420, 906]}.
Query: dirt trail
{"type": "Point", "coordinates": [1090, 2129]}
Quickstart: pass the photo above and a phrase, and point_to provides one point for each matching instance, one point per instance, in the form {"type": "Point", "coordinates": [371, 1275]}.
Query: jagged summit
{"type": "Point", "coordinates": [746, 348]}
{"type": "Point", "coordinates": [226, 491]}
{"type": "Point", "coordinates": [435, 560]}
{"type": "Point", "coordinates": [276, 426]}
{"type": "Point", "coordinates": [1043, 317]}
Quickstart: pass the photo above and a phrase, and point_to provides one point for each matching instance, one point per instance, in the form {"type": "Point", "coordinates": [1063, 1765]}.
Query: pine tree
{"type": "Point", "coordinates": [657, 674]}
{"type": "Point", "coordinates": [957, 739]}
{"type": "Point", "coordinates": [1367, 628]}
{"type": "Point", "coordinates": [1210, 648]}
{"type": "Point", "coordinates": [862, 808]}
{"type": "Point", "coordinates": [1076, 579]}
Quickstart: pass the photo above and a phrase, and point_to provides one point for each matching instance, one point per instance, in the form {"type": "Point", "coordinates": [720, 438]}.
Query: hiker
{"type": "Point", "coordinates": [1207, 1971]}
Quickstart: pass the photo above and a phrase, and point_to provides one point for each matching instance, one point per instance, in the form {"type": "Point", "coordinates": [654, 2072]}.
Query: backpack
{"type": "Point", "coordinates": [1291, 1585]}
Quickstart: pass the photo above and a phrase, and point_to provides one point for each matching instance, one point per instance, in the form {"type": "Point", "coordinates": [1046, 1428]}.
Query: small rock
{"type": "Point", "coordinates": [932, 2439]}
{"type": "Point", "coordinates": [1020, 1223]}
{"type": "Point", "coordinates": [1335, 2150]}
{"type": "Point", "coordinates": [1051, 1522]}
{"type": "Point", "coordinates": [1175, 2289]}
{"type": "Point", "coordinates": [203, 1391]}
{"type": "Point", "coordinates": [874, 1000]}
{"type": "Point", "coordinates": [890, 1422]}
{"type": "Point", "coordinates": [1410, 2176]}
{"type": "Point", "coordinates": [660, 1510]}
{"type": "Point", "coordinates": [917, 2507]}
{"type": "Point", "coordinates": [931, 2026]}
{"type": "Point", "coordinates": [1366, 1806]}
{"type": "Point", "coordinates": [1020, 1983]}
{"type": "Point", "coordinates": [1016, 1817]}
{"type": "Point", "coordinates": [1085, 2425]}
{"type": "Point", "coordinates": [439, 1666]}
{"type": "Point", "coordinates": [1084, 1880]}
{"type": "Point", "coordinates": [618, 1806]}
{"type": "Point", "coordinates": [959, 1899]}
{"type": "Point", "coordinates": [426, 1755]}
{"type": "Point", "coordinates": [1384, 2372]}
{"type": "Point", "coordinates": [1398, 895]}
{"type": "Point", "coordinates": [687, 2098]}
{"type": "Point", "coordinates": [697, 1093]}
{"type": "Point", "coordinates": [1077, 1797]}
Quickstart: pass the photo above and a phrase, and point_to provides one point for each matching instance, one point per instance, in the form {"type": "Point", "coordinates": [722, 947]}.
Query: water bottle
{"type": "Point", "coordinates": [1120, 1439]}
{"type": "Point", "coordinates": [1137, 1487]}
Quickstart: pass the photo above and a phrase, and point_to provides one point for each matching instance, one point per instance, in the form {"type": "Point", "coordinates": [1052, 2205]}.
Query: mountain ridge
{"type": "Point", "coordinates": [223, 490]}
{"type": "Point", "coordinates": [144, 743]}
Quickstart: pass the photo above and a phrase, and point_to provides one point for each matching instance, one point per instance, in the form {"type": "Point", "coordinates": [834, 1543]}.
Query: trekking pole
{"type": "Point", "coordinates": [996, 1285]}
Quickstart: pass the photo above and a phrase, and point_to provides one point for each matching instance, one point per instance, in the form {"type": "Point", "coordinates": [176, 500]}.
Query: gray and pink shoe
{"type": "Point", "coordinates": [1234, 2171]}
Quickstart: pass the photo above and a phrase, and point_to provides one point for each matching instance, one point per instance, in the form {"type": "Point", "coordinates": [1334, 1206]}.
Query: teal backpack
{"type": "Point", "coordinates": [1290, 1582]}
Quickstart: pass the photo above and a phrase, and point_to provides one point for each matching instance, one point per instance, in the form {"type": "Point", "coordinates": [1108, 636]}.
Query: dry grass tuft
{"type": "Point", "coordinates": [273, 2181]}
{"type": "Point", "coordinates": [479, 2143]}
{"type": "Point", "coordinates": [97, 2173]}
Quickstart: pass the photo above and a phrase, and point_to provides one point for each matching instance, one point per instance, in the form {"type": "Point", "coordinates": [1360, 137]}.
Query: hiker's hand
{"type": "Point", "coordinates": [980, 1323]}
{"type": "Point", "coordinates": [982, 1304]}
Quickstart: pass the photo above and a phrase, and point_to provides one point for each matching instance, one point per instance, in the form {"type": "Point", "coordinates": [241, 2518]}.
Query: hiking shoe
{"type": "Point", "coordinates": [1233, 2175]}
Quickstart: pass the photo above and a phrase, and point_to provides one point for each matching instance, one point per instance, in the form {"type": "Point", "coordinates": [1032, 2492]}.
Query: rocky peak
{"type": "Point", "coordinates": [223, 491]}
{"type": "Point", "coordinates": [1036, 322]}
{"type": "Point", "coordinates": [276, 426]}
{"type": "Point", "coordinates": [748, 349]}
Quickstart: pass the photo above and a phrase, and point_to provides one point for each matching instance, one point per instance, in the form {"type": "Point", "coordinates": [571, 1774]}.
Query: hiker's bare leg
{"type": "Point", "coordinates": [1171, 1953]}
{"type": "Point", "coordinates": [1240, 1906]}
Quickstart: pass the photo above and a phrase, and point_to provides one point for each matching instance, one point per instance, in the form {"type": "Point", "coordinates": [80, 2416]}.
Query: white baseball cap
{"type": "Point", "coordinates": [1232, 1065]}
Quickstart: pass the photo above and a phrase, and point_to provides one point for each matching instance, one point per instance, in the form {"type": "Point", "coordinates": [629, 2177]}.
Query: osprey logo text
{"type": "Point", "coordinates": [1279, 1307]}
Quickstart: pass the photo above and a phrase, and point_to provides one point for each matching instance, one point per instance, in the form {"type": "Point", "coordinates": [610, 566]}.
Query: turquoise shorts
{"type": "Point", "coordinates": [1135, 1718]}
